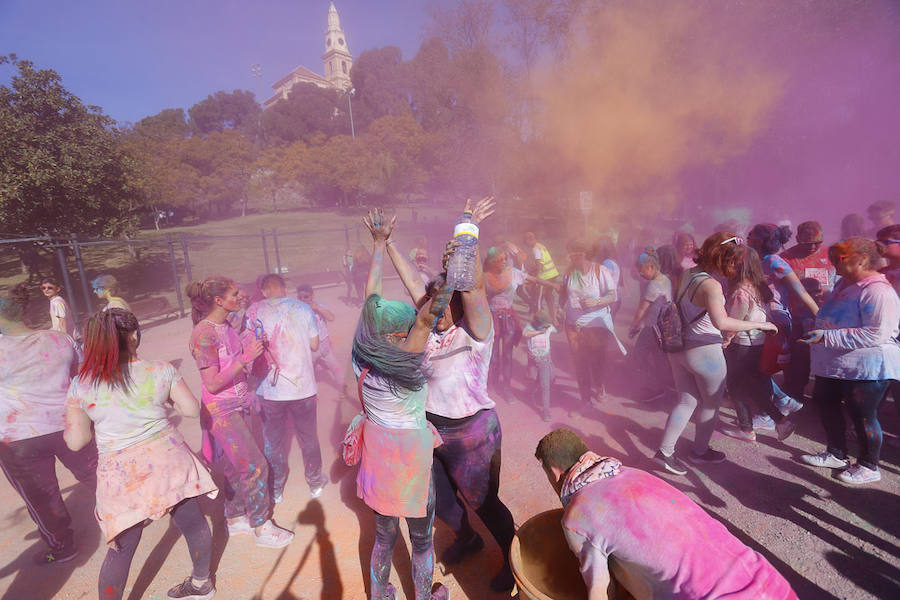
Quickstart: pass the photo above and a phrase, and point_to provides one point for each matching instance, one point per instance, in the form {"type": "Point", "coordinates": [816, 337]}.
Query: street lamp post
{"type": "Point", "coordinates": [350, 93]}
{"type": "Point", "coordinates": [256, 71]}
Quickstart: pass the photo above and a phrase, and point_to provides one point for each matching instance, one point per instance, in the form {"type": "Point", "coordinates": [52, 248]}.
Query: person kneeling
{"type": "Point", "coordinates": [656, 542]}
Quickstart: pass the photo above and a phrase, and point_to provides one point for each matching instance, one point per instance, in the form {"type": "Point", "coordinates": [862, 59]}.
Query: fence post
{"type": "Point", "coordinates": [346, 236]}
{"type": "Point", "coordinates": [262, 233]}
{"type": "Point", "coordinates": [175, 274]}
{"type": "Point", "coordinates": [67, 282]}
{"type": "Point", "coordinates": [84, 282]}
{"type": "Point", "coordinates": [277, 253]}
{"type": "Point", "coordinates": [187, 258]}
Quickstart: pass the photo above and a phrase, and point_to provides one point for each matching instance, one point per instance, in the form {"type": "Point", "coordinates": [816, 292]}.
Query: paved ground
{"type": "Point", "coordinates": [828, 539]}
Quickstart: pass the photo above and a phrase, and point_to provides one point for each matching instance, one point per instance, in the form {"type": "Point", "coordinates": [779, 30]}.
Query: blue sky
{"type": "Point", "coordinates": [134, 58]}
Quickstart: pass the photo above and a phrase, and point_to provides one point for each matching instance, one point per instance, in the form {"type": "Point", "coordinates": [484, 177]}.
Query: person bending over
{"type": "Point", "coordinates": [626, 523]}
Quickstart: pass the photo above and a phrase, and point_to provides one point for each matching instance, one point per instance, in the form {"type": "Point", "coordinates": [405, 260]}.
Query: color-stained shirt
{"type": "Point", "coordinates": [503, 299]}
{"type": "Point", "coordinates": [658, 293]}
{"type": "Point", "coordinates": [35, 370]}
{"type": "Point", "coordinates": [815, 266]}
{"type": "Point", "coordinates": [126, 416]}
{"type": "Point", "coordinates": [459, 371]}
{"type": "Point", "coordinates": [59, 309]}
{"type": "Point", "coordinates": [218, 345]}
{"type": "Point", "coordinates": [659, 543]}
{"type": "Point", "coordinates": [393, 409]}
{"type": "Point", "coordinates": [539, 345]}
{"type": "Point", "coordinates": [860, 321]}
{"type": "Point", "coordinates": [775, 269]}
{"type": "Point", "coordinates": [289, 325]}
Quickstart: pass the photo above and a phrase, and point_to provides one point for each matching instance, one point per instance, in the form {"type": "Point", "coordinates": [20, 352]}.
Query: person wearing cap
{"type": "Point", "coordinates": [809, 260]}
{"type": "Point", "coordinates": [631, 529]}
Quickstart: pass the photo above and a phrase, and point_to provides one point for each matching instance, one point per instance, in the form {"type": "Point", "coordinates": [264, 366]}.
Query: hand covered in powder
{"type": "Point", "coordinates": [449, 249]}
{"type": "Point", "coordinates": [816, 336]}
{"type": "Point", "coordinates": [378, 224]}
{"type": "Point", "coordinates": [251, 352]}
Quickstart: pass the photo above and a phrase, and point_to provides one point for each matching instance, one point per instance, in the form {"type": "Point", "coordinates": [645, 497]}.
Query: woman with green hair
{"type": "Point", "coordinates": [394, 477]}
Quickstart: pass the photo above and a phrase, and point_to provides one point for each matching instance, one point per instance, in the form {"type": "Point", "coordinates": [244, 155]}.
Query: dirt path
{"type": "Point", "coordinates": [828, 539]}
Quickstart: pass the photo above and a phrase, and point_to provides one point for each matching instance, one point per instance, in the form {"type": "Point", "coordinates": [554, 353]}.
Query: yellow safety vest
{"type": "Point", "coordinates": [548, 269]}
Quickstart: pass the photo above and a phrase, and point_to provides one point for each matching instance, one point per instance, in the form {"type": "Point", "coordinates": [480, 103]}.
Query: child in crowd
{"type": "Point", "coordinates": [325, 353]}
{"type": "Point", "coordinates": [538, 334]}
{"type": "Point", "coordinates": [61, 318]}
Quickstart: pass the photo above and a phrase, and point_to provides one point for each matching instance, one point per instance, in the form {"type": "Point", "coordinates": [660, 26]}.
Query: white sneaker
{"type": "Point", "coordinates": [788, 405]}
{"type": "Point", "coordinates": [240, 526]}
{"type": "Point", "coordinates": [858, 474]}
{"type": "Point", "coordinates": [278, 498]}
{"type": "Point", "coordinates": [271, 535]}
{"type": "Point", "coordinates": [763, 423]}
{"type": "Point", "coordinates": [825, 459]}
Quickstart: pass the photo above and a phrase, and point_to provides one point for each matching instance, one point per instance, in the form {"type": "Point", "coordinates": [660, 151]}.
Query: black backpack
{"type": "Point", "coordinates": [670, 325]}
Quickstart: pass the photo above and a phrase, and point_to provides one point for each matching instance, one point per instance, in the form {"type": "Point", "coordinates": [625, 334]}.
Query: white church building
{"type": "Point", "coordinates": [337, 62]}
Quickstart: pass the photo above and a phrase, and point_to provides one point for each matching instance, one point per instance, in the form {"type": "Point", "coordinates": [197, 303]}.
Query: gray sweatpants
{"type": "Point", "coordinates": [699, 375]}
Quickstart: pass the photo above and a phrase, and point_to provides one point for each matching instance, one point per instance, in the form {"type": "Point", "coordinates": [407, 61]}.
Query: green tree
{"type": "Point", "coordinates": [223, 161]}
{"type": "Point", "coordinates": [380, 78]}
{"type": "Point", "coordinates": [308, 112]}
{"type": "Point", "coordinates": [62, 169]}
{"type": "Point", "coordinates": [226, 110]}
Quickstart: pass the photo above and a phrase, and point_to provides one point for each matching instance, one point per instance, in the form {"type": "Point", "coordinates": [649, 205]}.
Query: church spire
{"type": "Point", "coordinates": [337, 57]}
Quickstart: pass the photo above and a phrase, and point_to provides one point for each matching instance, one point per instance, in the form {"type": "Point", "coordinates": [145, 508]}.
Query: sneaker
{"type": "Point", "coordinates": [187, 591]}
{"type": "Point", "coordinates": [240, 526]}
{"type": "Point", "coordinates": [271, 535]}
{"type": "Point", "coordinates": [710, 457]}
{"type": "Point", "coordinates": [858, 474]}
{"type": "Point", "coordinates": [503, 581]}
{"type": "Point", "coordinates": [825, 459]}
{"type": "Point", "coordinates": [278, 498]}
{"type": "Point", "coordinates": [784, 430]}
{"type": "Point", "coordinates": [460, 549]}
{"type": "Point", "coordinates": [316, 490]}
{"type": "Point", "coordinates": [763, 423]}
{"type": "Point", "coordinates": [739, 434]}
{"type": "Point", "coordinates": [788, 405]}
{"type": "Point", "coordinates": [52, 557]}
{"type": "Point", "coordinates": [671, 463]}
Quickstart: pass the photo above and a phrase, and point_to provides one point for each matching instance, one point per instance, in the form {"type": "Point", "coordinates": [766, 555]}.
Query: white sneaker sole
{"type": "Point", "coordinates": [206, 596]}
{"type": "Point", "coordinates": [272, 544]}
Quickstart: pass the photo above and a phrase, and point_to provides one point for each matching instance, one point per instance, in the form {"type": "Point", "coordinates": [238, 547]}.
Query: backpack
{"type": "Point", "coordinates": [670, 325]}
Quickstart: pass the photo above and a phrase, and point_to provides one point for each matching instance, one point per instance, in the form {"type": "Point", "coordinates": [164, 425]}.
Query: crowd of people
{"type": "Point", "coordinates": [713, 320]}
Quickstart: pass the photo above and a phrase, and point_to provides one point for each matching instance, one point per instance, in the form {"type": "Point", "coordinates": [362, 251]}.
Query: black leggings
{"type": "Point", "coordinates": [188, 518]}
{"type": "Point", "coordinates": [862, 399]}
{"type": "Point", "coordinates": [748, 386]}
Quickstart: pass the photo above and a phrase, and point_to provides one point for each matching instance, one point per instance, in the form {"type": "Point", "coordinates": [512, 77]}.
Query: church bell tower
{"type": "Point", "coordinates": [337, 57]}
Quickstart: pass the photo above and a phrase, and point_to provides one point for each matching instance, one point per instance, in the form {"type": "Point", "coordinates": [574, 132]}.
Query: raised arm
{"type": "Point", "coordinates": [476, 311]}
{"type": "Point", "coordinates": [407, 272]}
{"type": "Point", "coordinates": [428, 315]}
{"type": "Point", "coordinates": [380, 228]}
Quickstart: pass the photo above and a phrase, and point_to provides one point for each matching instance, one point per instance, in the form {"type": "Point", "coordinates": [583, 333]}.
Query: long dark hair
{"type": "Point", "coordinates": [749, 270]}
{"type": "Point", "coordinates": [768, 238]}
{"type": "Point", "coordinates": [12, 308]}
{"type": "Point", "coordinates": [108, 348]}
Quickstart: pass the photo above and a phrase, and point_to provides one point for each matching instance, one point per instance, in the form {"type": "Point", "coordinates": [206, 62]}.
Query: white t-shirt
{"type": "Point", "coordinates": [404, 409]}
{"type": "Point", "coordinates": [459, 372]}
{"type": "Point", "coordinates": [289, 325]}
{"type": "Point", "coordinates": [539, 345]}
{"type": "Point", "coordinates": [35, 369]}
{"type": "Point", "coordinates": [125, 417]}
{"type": "Point", "coordinates": [59, 309]}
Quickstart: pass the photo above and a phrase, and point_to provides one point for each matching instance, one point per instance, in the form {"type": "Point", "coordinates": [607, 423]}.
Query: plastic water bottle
{"type": "Point", "coordinates": [461, 267]}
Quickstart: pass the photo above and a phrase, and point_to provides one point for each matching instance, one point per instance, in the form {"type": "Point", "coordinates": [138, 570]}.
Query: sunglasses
{"type": "Point", "coordinates": [888, 242]}
{"type": "Point", "coordinates": [739, 241]}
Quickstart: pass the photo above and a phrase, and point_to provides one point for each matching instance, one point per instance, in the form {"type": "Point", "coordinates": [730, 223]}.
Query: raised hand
{"type": "Point", "coordinates": [482, 209]}
{"type": "Point", "coordinates": [378, 224]}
